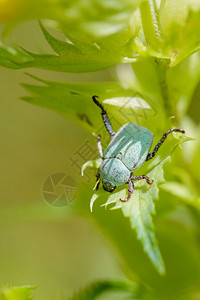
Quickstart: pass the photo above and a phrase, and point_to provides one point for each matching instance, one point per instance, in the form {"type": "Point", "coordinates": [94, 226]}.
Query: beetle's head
{"type": "Point", "coordinates": [108, 186]}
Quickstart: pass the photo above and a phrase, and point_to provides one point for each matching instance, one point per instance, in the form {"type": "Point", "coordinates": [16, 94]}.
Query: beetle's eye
{"type": "Point", "coordinates": [108, 186]}
{"type": "Point", "coordinates": [113, 188]}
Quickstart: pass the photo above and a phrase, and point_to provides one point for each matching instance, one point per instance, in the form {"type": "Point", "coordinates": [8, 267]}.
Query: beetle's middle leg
{"type": "Point", "coordinates": [155, 150]}
{"type": "Point", "coordinates": [148, 180]}
{"type": "Point", "coordinates": [131, 184]}
{"type": "Point", "coordinates": [130, 190]}
{"type": "Point", "coordinates": [105, 117]}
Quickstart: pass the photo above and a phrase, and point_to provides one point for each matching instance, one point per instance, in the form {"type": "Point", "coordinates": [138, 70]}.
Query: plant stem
{"type": "Point", "coordinates": [153, 38]}
{"type": "Point", "coordinates": [162, 78]}
{"type": "Point", "coordinates": [150, 24]}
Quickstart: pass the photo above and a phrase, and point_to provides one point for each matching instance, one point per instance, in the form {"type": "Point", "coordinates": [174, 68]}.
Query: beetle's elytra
{"type": "Point", "coordinates": [128, 150]}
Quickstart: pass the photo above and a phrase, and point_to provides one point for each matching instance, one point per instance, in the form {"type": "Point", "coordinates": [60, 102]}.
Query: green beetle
{"type": "Point", "coordinates": [128, 150]}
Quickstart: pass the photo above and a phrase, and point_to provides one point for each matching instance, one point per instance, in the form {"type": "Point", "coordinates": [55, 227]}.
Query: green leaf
{"type": "Point", "coordinates": [106, 33]}
{"type": "Point", "coordinates": [151, 30]}
{"type": "Point", "coordinates": [169, 146]}
{"type": "Point", "coordinates": [72, 55]}
{"type": "Point", "coordinates": [100, 17]}
{"type": "Point", "coordinates": [17, 293]}
{"type": "Point", "coordinates": [180, 24]}
{"type": "Point", "coordinates": [13, 57]}
{"type": "Point", "coordinates": [182, 81]}
{"type": "Point", "coordinates": [174, 90]}
{"type": "Point", "coordinates": [145, 80]}
{"type": "Point", "coordinates": [84, 17]}
{"type": "Point", "coordinates": [139, 210]}
{"type": "Point", "coordinates": [74, 100]}
{"type": "Point", "coordinates": [98, 288]}
{"type": "Point", "coordinates": [171, 29]}
{"type": "Point", "coordinates": [140, 207]}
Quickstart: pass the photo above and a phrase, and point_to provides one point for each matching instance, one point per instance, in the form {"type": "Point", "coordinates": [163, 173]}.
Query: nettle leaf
{"type": "Point", "coordinates": [169, 146]}
{"type": "Point", "coordinates": [140, 207]}
{"type": "Point", "coordinates": [96, 289]}
{"type": "Point", "coordinates": [171, 29]}
{"type": "Point", "coordinates": [99, 17]}
{"type": "Point", "coordinates": [72, 55]}
{"type": "Point", "coordinates": [74, 101]}
{"type": "Point", "coordinates": [182, 80]}
{"type": "Point", "coordinates": [180, 83]}
{"type": "Point", "coordinates": [85, 17]}
{"type": "Point", "coordinates": [180, 25]}
{"type": "Point", "coordinates": [12, 57]}
{"type": "Point", "coordinates": [17, 293]}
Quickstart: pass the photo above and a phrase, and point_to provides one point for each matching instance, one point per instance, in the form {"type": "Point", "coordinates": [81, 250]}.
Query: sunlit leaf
{"type": "Point", "coordinates": [171, 29]}
{"type": "Point", "coordinates": [140, 207]}
{"type": "Point", "coordinates": [170, 144]}
{"type": "Point", "coordinates": [139, 210]}
{"type": "Point", "coordinates": [74, 101]}
{"type": "Point", "coordinates": [180, 25]}
{"type": "Point", "coordinates": [17, 293]}
{"type": "Point", "coordinates": [72, 54]}
{"type": "Point", "coordinates": [164, 86]}
{"type": "Point", "coordinates": [85, 17]}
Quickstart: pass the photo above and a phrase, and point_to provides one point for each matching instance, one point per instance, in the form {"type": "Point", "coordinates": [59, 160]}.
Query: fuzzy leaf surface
{"type": "Point", "coordinates": [140, 207]}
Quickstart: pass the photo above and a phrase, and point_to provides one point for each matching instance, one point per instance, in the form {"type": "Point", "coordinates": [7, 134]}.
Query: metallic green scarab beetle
{"type": "Point", "coordinates": [128, 150]}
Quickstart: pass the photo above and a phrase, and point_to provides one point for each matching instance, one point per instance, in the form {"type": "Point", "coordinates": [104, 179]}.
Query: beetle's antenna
{"type": "Point", "coordinates": [105, 117]}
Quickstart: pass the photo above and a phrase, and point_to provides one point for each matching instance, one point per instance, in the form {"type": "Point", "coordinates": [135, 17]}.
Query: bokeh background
{"type": "Point", "coordinates": [43, 245]}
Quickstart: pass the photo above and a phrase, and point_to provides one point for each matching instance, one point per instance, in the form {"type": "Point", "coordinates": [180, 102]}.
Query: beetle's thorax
{"type": "Point", "coordinates": [113, 173]}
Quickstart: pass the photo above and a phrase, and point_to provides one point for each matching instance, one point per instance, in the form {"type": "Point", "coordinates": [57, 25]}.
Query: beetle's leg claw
{"type": "Point", "coordinates": [124, 200]}
{"type": "Point", "coordinates": [130, 191]}
{"type": "Point", "coordinates": [150, 181]}
{"type": "Point", "coordinates": [128, 197]}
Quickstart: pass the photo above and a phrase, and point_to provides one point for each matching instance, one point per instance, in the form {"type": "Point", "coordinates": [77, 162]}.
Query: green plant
{"type": "Point", "coordinates": [157, 46]}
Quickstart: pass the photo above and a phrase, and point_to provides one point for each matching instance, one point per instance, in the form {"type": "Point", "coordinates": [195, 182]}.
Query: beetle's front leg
{"type": "Point", "coordinates": [130, 190]}
{"type": "Point", "coordinates": [148, 180]}
{"type": "Point", "coordinates": [155, 150]}
{"type": "Point", "coordinates": [99, 147]}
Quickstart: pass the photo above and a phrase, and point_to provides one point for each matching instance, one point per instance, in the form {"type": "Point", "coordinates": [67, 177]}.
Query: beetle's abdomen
{"type": "Point", "coordinates": [114, 171]}
{"type": "Point", "coordinates": [131, 144]}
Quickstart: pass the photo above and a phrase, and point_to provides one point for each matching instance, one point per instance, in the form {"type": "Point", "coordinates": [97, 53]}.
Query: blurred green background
{"type": "Point", "coordinates": [42, 245]}
{"type": "Point", "coordinates": [59, 254]}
